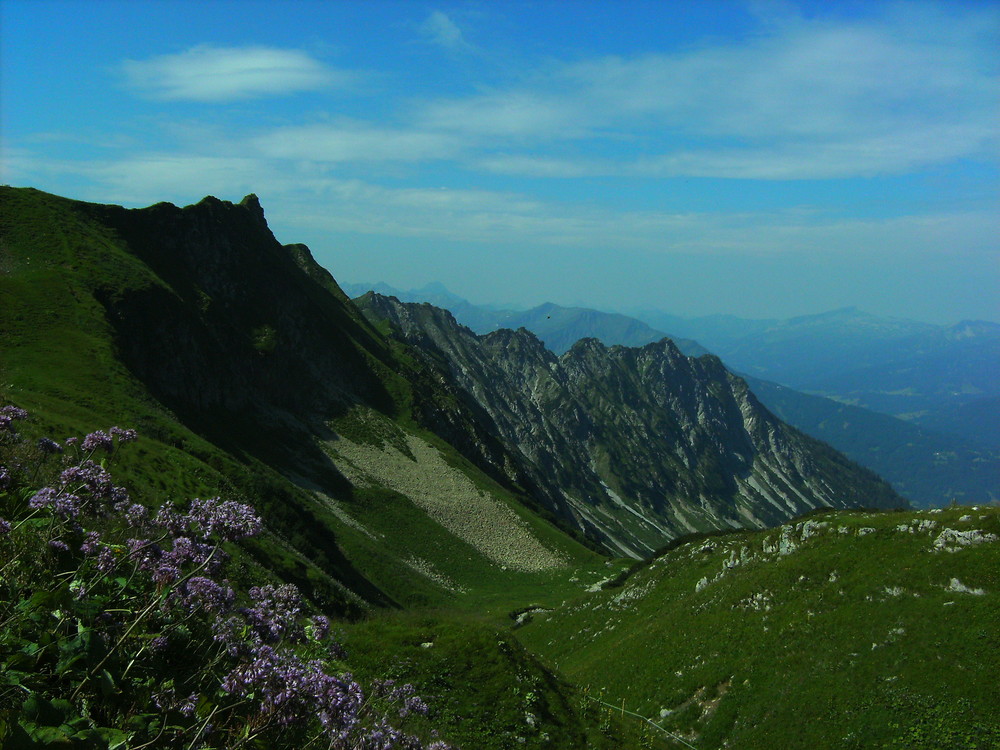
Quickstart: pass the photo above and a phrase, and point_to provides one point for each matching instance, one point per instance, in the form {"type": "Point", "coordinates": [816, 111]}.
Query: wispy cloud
{"type": "Point", "coordinates": [808, 99]}
{"type": "Point", "coordinates": [441, 30]}
{"type": "Point", "coordinates": [208, 74]}
{"type": "Point", "coordinates": [355, 142]}
{"type": "Point", "coordinates": [310, 198]}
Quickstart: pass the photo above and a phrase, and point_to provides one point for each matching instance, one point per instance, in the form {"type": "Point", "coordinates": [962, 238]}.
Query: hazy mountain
{"type": "Point", "coordinates": [927, 466]}
{"type": "Point", "coordinates": [558, 327]}
{"type": "Point", "coordinates": [917, 371]}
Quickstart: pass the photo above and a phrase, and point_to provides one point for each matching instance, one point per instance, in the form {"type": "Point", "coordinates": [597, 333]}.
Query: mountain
{"type": "Point", "coordinates": [248, 374]}
{"type": "Point", "coordinates": [916, 371]}
{"type": "Point", "coordinates": [245, 366]}
{"type": "Point", "coordinates": [480, 318]}
{"type": "Point", "coordinates": [794, 351]}
{"type": "Point", "coordinates": [558, 327]}
{"type": "Point", "coordinates": [635, 445]}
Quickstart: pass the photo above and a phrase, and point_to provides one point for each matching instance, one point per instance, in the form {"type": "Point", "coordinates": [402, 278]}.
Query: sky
{"type": "Point", "coordinates": [760, 159]}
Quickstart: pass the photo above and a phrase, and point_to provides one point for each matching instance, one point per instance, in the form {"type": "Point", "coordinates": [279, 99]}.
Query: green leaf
{"type": "Point", "coordinates": [106, 683]}
{"type": "Point", "coordinates": [114, 737]}
{"type": "Point", "coordinates": [50, 737]}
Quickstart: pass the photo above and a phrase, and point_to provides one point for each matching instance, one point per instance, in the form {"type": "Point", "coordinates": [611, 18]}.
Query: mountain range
{"type": "Point", "coordinates": [635, 445]}
{"type": "Point", "coordinates": [929, 465]}
{"type": "Point", "coordinates": [459, 501]}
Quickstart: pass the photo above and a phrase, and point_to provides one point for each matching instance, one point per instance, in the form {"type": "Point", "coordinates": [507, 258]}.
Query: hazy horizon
{"type": "Point", "coordinates": [757, 159]}
{"type": "Point", "coordinates": [632, 311]}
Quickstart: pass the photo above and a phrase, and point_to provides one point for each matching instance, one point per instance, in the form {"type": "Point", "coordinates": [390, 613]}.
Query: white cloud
{"type": "Point", "coordinates": [355, 142]}
{"type": "Point", "coordinates": [210, 74]}
{"type": "Point", "coordinates": [440, 29]}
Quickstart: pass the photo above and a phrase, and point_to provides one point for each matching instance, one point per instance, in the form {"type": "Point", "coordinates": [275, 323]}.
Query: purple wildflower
{"type": "Point", "coordinates": [124, 436]}
{"type": "Point", "coordinates": [136, 514]}
{"type": "Point", "coordinates": [275, 614]}
{"type": "Point", "coordinates": [413, 704]}
{"type": "Point", "coordinates": [229, 520]}
{"type": "Point", "coordinates": [169, 519]}
{"type": "Point", "coordinates": [4, 526]}
{"type": "Point", "coordinates": [206, 593]}
{"type": "Point", "coordinates": [159, 643]}
{"type": "Point", "coordinates": [96, 440]}
{"type": "Point", "coordinates": [8, 414]}
{"type": "Point", "coordinates": [14, 412]}
{"type": "Point", "coordinates": [48, 445]}
{"type": "Point", "coordinates": [4, 478]}
{"type": "Point", "coordinates": [71, 441]}
{"type": "Point", "coordinates": [90, 476]}
{"type": "Point", "coordinates": [187, 551]}
{"type": "Point", "coordinates": [105, 560]}
{"type": "Point", "coordinates": [188, 705]}
{"type": "Point", "coordinates": [228, 632]}
{"type": "Point", "coordinates": [144, 553]}
{"type": "Point", "coordinates": [320, 627]}
{"type": "Point", "coordinates": [165, 699]}
{"type": "Point", "coordinates": [62, 503]}
{"type": "Point", "coordinates": [59, 544]}
{"type": "Point", "coordinates": [91, 543]}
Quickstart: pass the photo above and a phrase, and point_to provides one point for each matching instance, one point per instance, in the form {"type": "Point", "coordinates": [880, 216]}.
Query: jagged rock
{"type": "Point", "coordinates": [951, 540]}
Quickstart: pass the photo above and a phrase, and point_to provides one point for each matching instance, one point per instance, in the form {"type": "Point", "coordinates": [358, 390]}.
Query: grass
{"type": "Point", "coordinates": [834, 644]}
{"type": "Point", "coordinates": [485, 690]}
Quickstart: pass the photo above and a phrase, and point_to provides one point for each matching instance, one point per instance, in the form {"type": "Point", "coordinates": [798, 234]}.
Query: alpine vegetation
{"type": "Point", "coordinates": [119, 625]}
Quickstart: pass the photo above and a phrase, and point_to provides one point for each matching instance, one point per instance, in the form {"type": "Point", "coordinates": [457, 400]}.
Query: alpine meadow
{"type": "Point", "coordinates": [611, 376]}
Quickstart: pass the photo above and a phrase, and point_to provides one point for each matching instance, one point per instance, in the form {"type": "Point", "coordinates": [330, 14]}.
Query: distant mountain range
{"type": "Point", "coordinates": [947, 455]}
{"type": "Point", "coordinates": [558, 327]}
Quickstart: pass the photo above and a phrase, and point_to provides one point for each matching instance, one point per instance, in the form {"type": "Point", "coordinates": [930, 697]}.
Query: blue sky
{"type": "Point", "coordinates": [763, 159]}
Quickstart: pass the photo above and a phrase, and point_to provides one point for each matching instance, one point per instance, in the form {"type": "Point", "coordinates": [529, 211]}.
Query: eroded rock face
{"type": "Point", "coordinates": [635, 445]}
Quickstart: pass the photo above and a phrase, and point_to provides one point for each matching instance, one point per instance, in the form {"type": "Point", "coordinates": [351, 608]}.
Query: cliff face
{"type": "Point", "coordinates": [635, 445]}
{"type": "Point", "coordinates": [229, 322]}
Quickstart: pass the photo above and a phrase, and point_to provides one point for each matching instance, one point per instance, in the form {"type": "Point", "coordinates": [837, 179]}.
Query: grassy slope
{"type": "Point", "coordinates": [59, 361]}
{"type": "Point", "coordinates": [853, 639]}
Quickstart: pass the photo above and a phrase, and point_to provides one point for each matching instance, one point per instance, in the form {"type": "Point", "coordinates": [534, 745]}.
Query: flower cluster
{"type": "Point", "coordinates": [226, 520]}
{"type": "Point", "coordinates": [8, 414]}
{"type": "Point", "coordinates": [263, 660]}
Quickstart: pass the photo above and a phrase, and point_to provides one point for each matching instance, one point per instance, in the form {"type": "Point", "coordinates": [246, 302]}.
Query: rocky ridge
{"type": "Point", "coordinates": [635, 445]}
